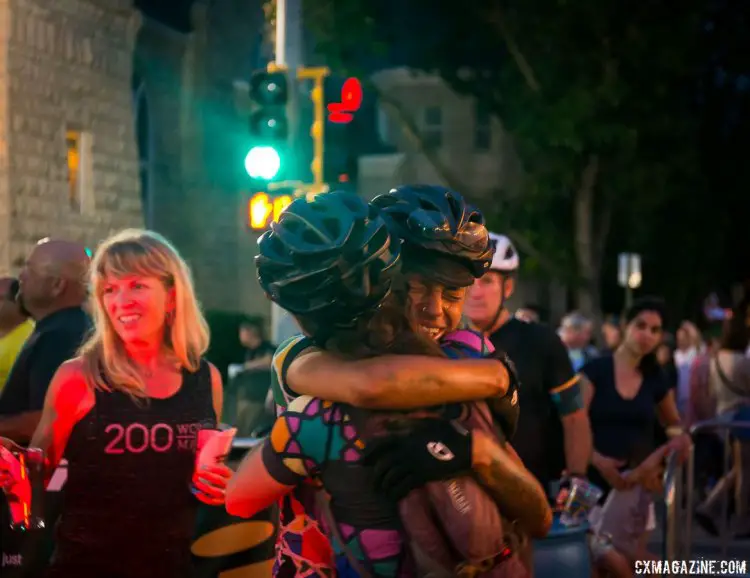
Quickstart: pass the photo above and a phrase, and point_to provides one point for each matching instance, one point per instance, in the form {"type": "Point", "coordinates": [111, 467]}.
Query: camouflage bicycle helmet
{"type": "Point", "coordinates": [436, 221]}
{"type": "Point", "coordinates": [332, 258]}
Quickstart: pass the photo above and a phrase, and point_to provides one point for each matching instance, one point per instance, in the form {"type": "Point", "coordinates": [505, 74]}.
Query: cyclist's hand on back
{"type": "Point", "coordinates": [506, 409]}
{"type": "Point", "coordinates": [435, 449]}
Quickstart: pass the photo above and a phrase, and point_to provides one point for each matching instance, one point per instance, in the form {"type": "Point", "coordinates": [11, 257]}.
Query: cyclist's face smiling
{"type": "Point", "coordinates": [433, 307]}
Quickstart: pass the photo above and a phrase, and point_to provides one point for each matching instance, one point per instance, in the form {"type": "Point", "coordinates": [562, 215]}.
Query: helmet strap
{"type": "Point", "coordinates": [500, 308]}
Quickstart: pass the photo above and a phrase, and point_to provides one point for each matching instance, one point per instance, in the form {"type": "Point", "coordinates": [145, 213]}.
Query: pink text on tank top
{"type": "Point", "coordinates": [136, 438]}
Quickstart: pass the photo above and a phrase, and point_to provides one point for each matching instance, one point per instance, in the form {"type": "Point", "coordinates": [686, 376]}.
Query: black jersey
{"type": "Point", "coordinates": [543, 368]}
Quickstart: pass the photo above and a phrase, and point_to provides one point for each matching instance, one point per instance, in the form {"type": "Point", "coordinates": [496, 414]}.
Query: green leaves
{"type": "Point", "coordinates": [568, 78]}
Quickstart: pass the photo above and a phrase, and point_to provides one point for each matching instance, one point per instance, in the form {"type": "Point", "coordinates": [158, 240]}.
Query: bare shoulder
{"type": "Point", "coordinates": [69, 375]}
{"type": "Point", "coordinates": [68, 387]}
{"type": "Point", "coordinates": [217, 390]}
{"type": "Point", "coordinates": [215, 375]}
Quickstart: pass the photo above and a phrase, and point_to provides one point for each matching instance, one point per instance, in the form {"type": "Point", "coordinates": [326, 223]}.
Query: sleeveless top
{"type": "Point", "coordinates": [735, 367]}
{"type": "Point", "coordinates": [128, 510]}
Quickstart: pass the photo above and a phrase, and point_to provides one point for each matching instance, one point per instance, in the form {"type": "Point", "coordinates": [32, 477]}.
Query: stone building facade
{"type": "Point", "coordinates": [111, 119]}
{"type": "Point", "coordinates": [193, 142]}
{"type": "Point", "coordinates": [68, 160]}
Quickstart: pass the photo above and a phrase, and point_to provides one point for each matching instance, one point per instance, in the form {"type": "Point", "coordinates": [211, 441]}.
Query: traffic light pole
{"type": "Point", "coordinates": [288, 33]}
{"type": "Point", "coordinates": [288, 54]}
{"type": "Point", "coordinates": [280, 51]}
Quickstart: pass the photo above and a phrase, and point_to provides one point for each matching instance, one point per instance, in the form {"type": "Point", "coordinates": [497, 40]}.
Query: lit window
{"type": "Point", "coordinates": [79, 156]}
{"type": "Point", "coordinates": [73, 140]}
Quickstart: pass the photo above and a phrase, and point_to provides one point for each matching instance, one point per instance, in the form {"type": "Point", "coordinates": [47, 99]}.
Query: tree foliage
{"type": "Point", "coordinates": [598, 94]}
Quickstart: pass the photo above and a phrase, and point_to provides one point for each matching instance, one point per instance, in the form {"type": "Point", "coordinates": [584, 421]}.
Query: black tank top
{"type": "Point", "coordinates": [128, 511]}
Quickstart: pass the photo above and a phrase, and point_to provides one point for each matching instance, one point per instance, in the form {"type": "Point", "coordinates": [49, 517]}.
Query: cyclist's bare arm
{"type": "Point", "coordinates": [515, 490]}
{"type": "Point", "coordinates": [395, 381]}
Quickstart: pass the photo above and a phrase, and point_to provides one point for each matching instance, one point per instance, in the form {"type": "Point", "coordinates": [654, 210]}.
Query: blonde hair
{"type": "Point", "coordinates": [106, 364]}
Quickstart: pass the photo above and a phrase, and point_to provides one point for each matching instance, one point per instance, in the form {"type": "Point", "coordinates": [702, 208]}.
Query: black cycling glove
{"type": "Point", "coordinates": [506, 409]}
{"type": "Point", "coordinates": [435, 449]}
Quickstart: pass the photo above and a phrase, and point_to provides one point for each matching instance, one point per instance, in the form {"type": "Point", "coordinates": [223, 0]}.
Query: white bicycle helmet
{"type": "Point", "coordinates": [506, 256]}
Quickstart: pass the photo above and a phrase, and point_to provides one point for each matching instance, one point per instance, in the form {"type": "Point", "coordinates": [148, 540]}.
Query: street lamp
{"type": "Point", "coordinates": [629, 274]}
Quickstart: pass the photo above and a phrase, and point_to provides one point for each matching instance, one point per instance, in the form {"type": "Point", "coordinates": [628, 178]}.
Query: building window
{"type": "Point", "coordinates": [432, 127]}
{"type": "Point", "coordinates": [79, 147]}
{"type": "Point", "coordinates": [482, 129]}
{"type": "Point", "coordinates": [73, 141]}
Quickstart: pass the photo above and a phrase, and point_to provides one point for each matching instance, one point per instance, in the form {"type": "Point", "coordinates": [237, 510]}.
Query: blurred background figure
{"type": "Point", "coordinates": [575, 333]}
{"type": "Point", "coordinates": [665, 359]}
{"type": "Point", "coordinates": [688, 345]}
{"type": "Point", "coordinates": [15, 327]}
{"type": "Point", "coordinates": [249, 384]}
{"type": "Point", "coordinates": [727, 388]}
{"type": "Point", "coordinates": [53, 288]}
{"type": "Point", "coordinates": [611, 333]}
{"type": "Point", "coordinates": [528, 313]}
{"type": "Point", "coordinates": [258, 350]}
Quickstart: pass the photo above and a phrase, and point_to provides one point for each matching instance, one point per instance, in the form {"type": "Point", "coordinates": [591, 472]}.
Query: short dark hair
{"type": "Point", "coordinates": [250, 323]}
{"type": "Point", "coordinates": [655, 304]}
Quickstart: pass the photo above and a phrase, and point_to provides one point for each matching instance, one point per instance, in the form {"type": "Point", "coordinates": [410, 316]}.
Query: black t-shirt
{"type": "Point", "coordinates": [55, 339]}
{"type": "Point", "coordinates": [622, 428]}
{"type": "Point", "coordinates": [543, 365]}
{"type": "Point", "coordinates": [265, 348]}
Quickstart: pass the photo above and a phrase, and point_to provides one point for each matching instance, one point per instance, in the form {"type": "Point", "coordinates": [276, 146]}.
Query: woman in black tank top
{"type": "Point", "coordinates": [126, 413]}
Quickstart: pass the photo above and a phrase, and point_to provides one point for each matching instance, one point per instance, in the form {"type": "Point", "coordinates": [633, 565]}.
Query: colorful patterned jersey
{"type": "Point", "coordinates": [316, 439]}
{"type": "Point", "coordinates": [302, 548]}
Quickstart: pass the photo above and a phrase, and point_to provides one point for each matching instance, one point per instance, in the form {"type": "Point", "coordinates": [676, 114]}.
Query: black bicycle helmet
{"type": "Point", "coordinates": [438, 220]}
{"type": "Point", "coordinates": [332, 258]}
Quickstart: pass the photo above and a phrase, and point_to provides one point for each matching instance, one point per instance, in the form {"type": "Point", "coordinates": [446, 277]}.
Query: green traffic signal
{"type": "Point", "coordinates": [263, 162]}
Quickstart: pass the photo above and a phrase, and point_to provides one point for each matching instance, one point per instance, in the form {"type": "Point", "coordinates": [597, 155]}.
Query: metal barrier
{"type": "Point", "coordinates": [678, 518]}
{"type": "Point", "coordinates": [673, 480]}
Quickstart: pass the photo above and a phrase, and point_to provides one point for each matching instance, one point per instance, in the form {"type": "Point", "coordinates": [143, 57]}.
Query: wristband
{"type": "Point", "coordinates": [566, 480]}
{"type": "Point", "coordinates": [674, 430]}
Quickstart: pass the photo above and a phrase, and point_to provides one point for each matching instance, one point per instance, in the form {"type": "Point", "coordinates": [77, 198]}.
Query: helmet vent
{"type": "Point", "coordinates": [331, 228]}
{"type": "Point", "coordinates": [427, 206]}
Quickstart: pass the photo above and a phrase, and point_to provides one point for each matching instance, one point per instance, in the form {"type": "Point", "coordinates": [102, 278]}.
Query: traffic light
{"type": "Point", "coordinates": [263, 208]}
{"type": "Point", "coordinates": [317, 132]}
{"type": "Point", "coordinates": [269, 124]}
